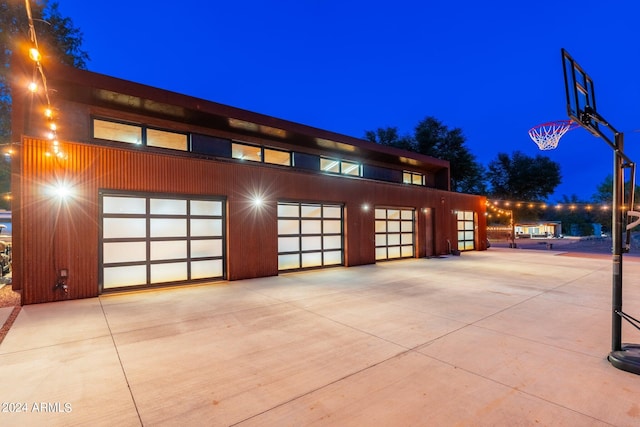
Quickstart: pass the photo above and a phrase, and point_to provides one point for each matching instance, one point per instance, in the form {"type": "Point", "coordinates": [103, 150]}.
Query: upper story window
{"type": "Point", "coordinates": [412, 178]}
{"type": "Point", "coordinates": [139, 135]}
{"type": "Point", "coordinates": [342, 167]}
{"type": "Point", "coordinates": [120, 132]}
{"type": "Point", "coordinates": [256, 153]}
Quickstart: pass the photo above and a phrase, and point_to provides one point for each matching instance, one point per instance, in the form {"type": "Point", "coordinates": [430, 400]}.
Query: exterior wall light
{"type": "Point", "coordinates": [257, 201]}
{"type": "Point", "coordinates": [365, 207]}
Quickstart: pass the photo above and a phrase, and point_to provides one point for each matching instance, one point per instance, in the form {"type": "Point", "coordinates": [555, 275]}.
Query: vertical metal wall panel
{"type": "Point", "coordinates": [51, 233]}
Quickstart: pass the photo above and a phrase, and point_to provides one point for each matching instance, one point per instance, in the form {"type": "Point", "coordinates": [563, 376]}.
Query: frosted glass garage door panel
{"type": "Point", "coordinates": [393, 226]}
{"type": "Point", "coordinates": [311, 227]}
{"type": "Point", "coordinates": [171, 272]}
{"type": "Point", "coordinates": [406, 215]}
{"type": "Point", "coordinates": [288, 262]}
{"type": "Point", "coordinates": [124, 205]}
{"type": "Point", "coordinates": [313, 243]}
{"type": "Point", "coordinates": [124, 252]}
{"type": "Point", "coordinates": [381, 226]}
{"type": "Point", "coordinates": [407, 251]}
{"type": "Point", "coordinates": [393, 214]}
{"type": "Point", "coordinates": [168, 207]}
{"type": "Point", "coordinates": [206, 227]}
{"type": "Point", "coordinates": [381, 214]}
{"type": "Point", "coordinates": [168, 250]}
{"type": "Point", "coordinates": [288, 244]}
{"type": "Point", "coordinates": [168, 227]}
{"type": "Point", "coordinates": [332, 227]}
{"type": "Point", "coordinates": [332, 258]}
{"type": "Point", "coordinates": [116, 277]}
{"type": "Point", "coordinates": [406, 226]}
{"type": "Point", "coordinates": [332, 212]}
{"type": "Point", "coordinates": [311, 211]}
{"type": "Point", "coordinates": [206, 207]}
{"type": "Point", "coordinates": [206, 269]}
{"type": "Point", "coordinates": [288, 226]}
{"type": "Point", "coordinates": [393, 239]}
{"type": "Point", "coordinates": [407, 239]}
{"type": "Point", "coordinates": [117, 228]}
{"type": "Point", "coordinates": [381, 253]}
{"type": "Point", "coordinates": [381, 240]}
{"type": "Point", "coordinates": [291, 211]}
{"type": "Point", "coordinates": [312, 260]}
{"type": "Point", "coordinates": [332, 242]}
{"type": "Point", "coordinates": [206, 248]}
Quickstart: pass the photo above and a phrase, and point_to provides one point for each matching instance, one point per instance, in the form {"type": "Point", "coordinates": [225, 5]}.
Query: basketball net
{"type": "Point", "coordinates": [547, 135]}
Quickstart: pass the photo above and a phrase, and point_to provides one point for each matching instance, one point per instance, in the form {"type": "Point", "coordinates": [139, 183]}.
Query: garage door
{"type": "Point", "coordinates": [150, 240]}
{"type": "Point", "coordinates": [309, 235]}
{"type": "Point", "coordinates": [395, 233]}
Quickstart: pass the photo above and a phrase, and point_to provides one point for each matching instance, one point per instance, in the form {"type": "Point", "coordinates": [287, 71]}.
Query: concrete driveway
{"type": "Point", "coordinates": [496, 338]}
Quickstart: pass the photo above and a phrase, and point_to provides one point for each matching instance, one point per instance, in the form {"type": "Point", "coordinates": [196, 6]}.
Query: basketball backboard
{"type": "Point", "coordinates": [581, 98]}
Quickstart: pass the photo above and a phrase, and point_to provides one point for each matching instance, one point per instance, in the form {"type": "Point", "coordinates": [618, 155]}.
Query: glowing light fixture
{"type": "Point", "coordinates": [33, 86]}
{"type": "Point", "coordinates": [34, 54]}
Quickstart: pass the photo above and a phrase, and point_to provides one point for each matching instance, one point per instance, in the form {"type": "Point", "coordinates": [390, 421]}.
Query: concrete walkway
{"type": "Point", "coordinates": [495, 338]}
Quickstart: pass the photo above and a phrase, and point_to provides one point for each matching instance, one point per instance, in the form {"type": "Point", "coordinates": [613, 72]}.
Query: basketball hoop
{"type": "Point", "coordinates": [547, 135]}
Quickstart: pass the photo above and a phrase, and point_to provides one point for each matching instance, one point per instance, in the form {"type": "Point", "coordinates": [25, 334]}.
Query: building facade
{"type": "Point", "coordinates": [140, 187]}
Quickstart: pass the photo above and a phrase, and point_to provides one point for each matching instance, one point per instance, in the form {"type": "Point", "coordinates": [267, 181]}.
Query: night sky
{"type": "Point", "coordinates": [492, 69]}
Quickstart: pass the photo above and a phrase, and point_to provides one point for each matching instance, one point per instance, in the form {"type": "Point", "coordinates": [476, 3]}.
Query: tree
{"type": "Point", "coordinates": [58, 40]}
{"type": "Point", "coordinates": [434, 139]}
{"type": "Point", "coordinates": [521, 177]}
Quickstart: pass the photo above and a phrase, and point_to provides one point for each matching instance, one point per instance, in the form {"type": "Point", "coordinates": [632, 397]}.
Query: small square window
{"type": "Point", "coordinates": [277, 157]}
{"type": "Point", "coordinates": [246, 152]}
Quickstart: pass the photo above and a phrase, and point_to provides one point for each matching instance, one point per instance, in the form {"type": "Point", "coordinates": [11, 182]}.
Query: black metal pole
{"type": "Point", "coordinates": [616, 232]}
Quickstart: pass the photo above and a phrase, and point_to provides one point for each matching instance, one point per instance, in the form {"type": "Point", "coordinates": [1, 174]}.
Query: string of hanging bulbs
{"type": "Point", "coordinates": [504, 206]}
{"type": "Point", "coordinates": [33, 86]}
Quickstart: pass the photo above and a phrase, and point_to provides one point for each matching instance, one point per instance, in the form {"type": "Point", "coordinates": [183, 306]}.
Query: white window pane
{"type": "Point", "coordinates": [381, 226]}
{"type": "Point", "coordinates": [407, 251]}
{"type": "Point", "coordinates": [393, 214]}
{"type": "Point", "coordinates": [311, 227]}
{"type": "Point", "coordinates": [171, 272]}
{"type": "Point", "coordinates": [332, 258]}
{"type": "Point", "coordinates": [124, 205]}
{"type": "Point", "coordinates": [394, 252]}
{"type": "Point", "coordinates": [460, 245]}
{"type": "Point", "coordinates": [312, 260]}
{"type": "Point", "coordinates": [393, 226]}
{"type": "Point", "coordinates": [460, 235]}
{"type": "Point", "coordinates": [460, 215]}
{"type": "Point", "coordinates": [381, 214]}
{"type": "Point", "coordinates": [206, 227]}
{"type": "Point", "coordinates": [406, 226]}
{"type": "Point", "coordinates": [164, 139]}
{"type": "Point", "coordinates": [114, 228]}
{"type": "Point", "coordinates": [393, 239]}
{"type": "Point", "coordinates": [468, 215]}
{"type": "Point", "coordinates": [313, 211]}
{"type": "Point", "coordinates": [468, 225]}
{"type": "Point", "coordinates": [205, 269]}
{"type": "Point", "coordinates": [246, 152]}
{"type": "Point", "coordinates": [417, 179]}
{"type": "Point", "coordinates": [168, 207]}
{"type": "Point", "coordinates": [349, 168]}
{"type": "Point", "coordinates": [206, 207]}
{"type": "Point", "coordinates": [332, 242]}
{"type": "Point", "coordinates": [381, 240]}
{"type": "Point", "coordinates": [381, 253]}
{"type": "Point", "coordinates": [119, 132]}
{"type": "Point", "coordinates": [115, 277]}
{"type": "Point", "coordinates": [406, 214]}
{"type": "Point", "coordinates": [332, 212]}
{"type": "Point", "coordinates": [311, 243]}
{"type": "Point", "coordinates": [406, 239]}
{"type": "Point", "coordinates": [406, 178]}
{"type": "Point", "coordinates": [468, 245]}
{"type": "Point", "coordinates": [332, 226]}
{"type": "Point", "coordinates": [168, 250]}
{"type": "Point", "coordinates": [286, 210]}
{"type": "Point", "coordinates": [288, 226]}
{"type": "Point", "coordinates": [330, 165]}
{"type": "Point", "coordinates": [468, 235]}
{"type": "Point", "coordinates": [206, 248]}
{"type": "Point", "coordinates": [124, 252]}
{"type": "Point", "coordinates": [168, 227]}
{"type": "Point", "coordinates": [288, 262]}
{"type": "Point", "coordinates": [288, 244]}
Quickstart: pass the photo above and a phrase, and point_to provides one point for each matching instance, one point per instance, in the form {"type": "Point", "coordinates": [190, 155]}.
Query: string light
{"type": "Point", "coordinates": [572, 207]}
{"type": "Point", "coordinates": [36, 57]}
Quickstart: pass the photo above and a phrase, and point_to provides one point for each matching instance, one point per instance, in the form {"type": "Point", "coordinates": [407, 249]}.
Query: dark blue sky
{"type": "Point", "coordinates": [492, 69]}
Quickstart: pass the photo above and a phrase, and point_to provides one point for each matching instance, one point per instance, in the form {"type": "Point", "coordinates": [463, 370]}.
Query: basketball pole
{"type": "Point", "coordinates": [616, 232]}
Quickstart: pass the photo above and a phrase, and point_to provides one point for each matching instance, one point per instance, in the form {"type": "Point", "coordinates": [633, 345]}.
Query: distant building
{"type": "Point", "coordinates": [141, 187]}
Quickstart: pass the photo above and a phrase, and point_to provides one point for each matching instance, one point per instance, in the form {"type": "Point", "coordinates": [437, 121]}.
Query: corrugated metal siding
{"type": "Point", "coordinates": [50, 234]}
